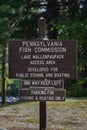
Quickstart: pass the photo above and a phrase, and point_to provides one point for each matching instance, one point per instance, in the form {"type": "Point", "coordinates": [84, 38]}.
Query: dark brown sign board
{"type": "Point", "coordinates": [42, 84]}
{"type": "Point", "coordinates": [42, 95]}
{"type": "Point", "coordinates": [49, 59]}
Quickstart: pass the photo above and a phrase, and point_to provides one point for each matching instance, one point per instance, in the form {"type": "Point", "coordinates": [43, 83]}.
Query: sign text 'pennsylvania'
{"type": "Point", "coordinates": [46, 59]}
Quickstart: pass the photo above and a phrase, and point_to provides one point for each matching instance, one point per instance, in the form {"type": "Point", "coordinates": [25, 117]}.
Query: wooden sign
{"type": "Point", "coordinates": [42, 95]}
{"type": "Point", "coordinates": [42, 84]}
{"type": "Point", "coordinates": [49, 59]}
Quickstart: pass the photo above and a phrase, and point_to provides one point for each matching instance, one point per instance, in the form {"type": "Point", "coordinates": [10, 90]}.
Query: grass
{"type": "Point", "coordinates": [30, 120]}
{"type": "Point", "coordinates": [68, 115]}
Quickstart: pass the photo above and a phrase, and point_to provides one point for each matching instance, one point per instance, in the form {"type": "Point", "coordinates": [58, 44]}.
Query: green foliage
{"type": "Point", "coordinates": [4, 30]}
{"type": "Point", "coordinates": [13, 87]}
{"type": "Point", "coordinates": [78, 90]}
{"type": "Point", "coordinates": [17, 21]}
{"type": "Point", "coordinates": [75, 29]}
{"type": "Point", "coordinates": [70, 29]}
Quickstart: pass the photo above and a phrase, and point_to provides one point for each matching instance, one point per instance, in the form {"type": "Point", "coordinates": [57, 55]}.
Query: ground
{"type": "Point", "coordinates": [68, 115]}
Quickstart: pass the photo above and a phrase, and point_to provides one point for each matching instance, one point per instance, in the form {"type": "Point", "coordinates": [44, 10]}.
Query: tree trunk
{"type": "Point", "coordinates": [52, 18]}
{"type": "Point", "coordinates": [73, 8]}
{"type": "Point", "coordinates": [3, 76]}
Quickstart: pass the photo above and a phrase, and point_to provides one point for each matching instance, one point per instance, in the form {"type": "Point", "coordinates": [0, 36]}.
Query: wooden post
{"type": "Point", "coordinates": [42, 24]}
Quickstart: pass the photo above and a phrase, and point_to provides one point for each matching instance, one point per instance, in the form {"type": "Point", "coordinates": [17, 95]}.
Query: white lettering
{"type": "Point", "coordinates": [49, 75]}
{"type": "Point", "coordinates": [37, 62]}
{"type": "Point", "coordinates": [38, 92]}
{"type": "Point", "coordinates": [36, 75]}
{"type": "Point", "coordinates": [53, 69]}
{"type": "Point", "coordinates": [41, 43]}
{"type": "Point", "coordinates": [48, 57]}
{"type": "Point", "coordinates": [38, 69]}
{"type": "Point", "coordinates": [24, 49]}
{"type": "Point", "coordinates": [50, 49]}
{"type": "Point", "coordinates": [25, 57]}
{"type": "Point", "coordinates": [22, 75]}
{"type": "Point", "coordinates": [27, 98]}
{"type": "Point", "coordinates": [26, 82]}
{"type": "Point", "coordinates": [65, 75]}
{"type": "Point", "coordinates": [50, 62]}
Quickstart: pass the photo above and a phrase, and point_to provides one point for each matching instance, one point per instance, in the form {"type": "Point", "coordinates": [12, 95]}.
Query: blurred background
{"type": "Point", "coordinates": [65, 19]}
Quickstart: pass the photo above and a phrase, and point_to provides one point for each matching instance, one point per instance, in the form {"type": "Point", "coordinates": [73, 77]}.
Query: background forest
{"type": "Point", "coordinates": [65, 19]}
